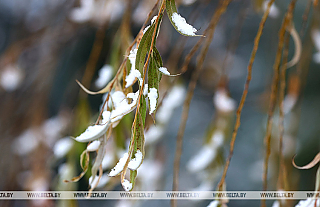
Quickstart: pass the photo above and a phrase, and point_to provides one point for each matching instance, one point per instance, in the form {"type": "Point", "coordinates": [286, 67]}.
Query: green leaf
{"type": "Point", "coordinates": [154, 75]}
{"type": "Point", "coordinates": [133, 175]}
{"type": "Point", "coordinates": [138, 136]}
{"type": "Point", "coordinates": [145, 44]}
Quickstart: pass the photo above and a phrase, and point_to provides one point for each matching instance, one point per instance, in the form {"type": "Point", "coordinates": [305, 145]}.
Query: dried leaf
{"type": "Point", "coordinates": [315, 161]}
{"type": "Point", "coordinates": [85, 167]}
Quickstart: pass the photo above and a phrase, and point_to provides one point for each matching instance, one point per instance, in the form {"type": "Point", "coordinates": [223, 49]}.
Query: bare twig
{"type": "Point", "coordinates": [274, 90]}
{"type": "Point", "coordinates": [210, 30]}
{"type": "Point", "coordinates": [245, 92]}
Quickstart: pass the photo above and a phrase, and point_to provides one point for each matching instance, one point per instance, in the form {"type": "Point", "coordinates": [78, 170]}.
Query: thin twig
{"type": "Point", "coordinates": [282, 167]}
{"type": "Point", "coordinates": [211, 28]}
{"type": "Point", "coordinates": [245, 92]}
{"type": "Point", "coordinates": [274, 91]}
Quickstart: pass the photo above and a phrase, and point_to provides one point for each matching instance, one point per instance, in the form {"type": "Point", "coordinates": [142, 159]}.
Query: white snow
{"type": "Point", "coordinates": [105, 75]}
{"type": "Point", "coordinates": [95, 131]}
{"type": "Point", "coordinates": [164, 70]}
{"type": "Point", "coordinates": [154, 19]}
{"type": "Point", "coordinates": [120, 165]}
{"type": "Point", "coordinates": [188, 2]}
{"type": "Point", "coordinates": [315, 34]}
{"type": "Point", "coordinates": [153, 95]}
{"type": "Point", "coordinates": [223, 102]}
{"type": "Point", "coordinates": [174, 99]}
{"type": "Point", "coordinates": [26, 142]}
{"type": "Point", "coordinates": [122, 107]}
{"type": "Point", "coordinates": [316, 57]}
{"type": "Point", "coordinates": [64, 171]}
{"type": "Point", "coordinates": [116, 98]}
{"type": "Point", "coordinates": [53, 127]}
{"type": "Point", "coordinates": [62, 147]}
{"type": "Point", "coordinates": [150, 174]}
{"type": "Point", "coordinates": [102, 182]}
{"type": "Point", "coordinates": [11, 78]}
{"type": "Point", "coordinates": [276, 204]}
{"type": "Point", "coordinates": [153, 134]}
{"type": "Point", "coordinates": [93, 146]}
{"type": "Point", "coordinates": [202, 159]}
{"type": "Point", "coordinates": [289, 102]}
{"type": "Point", "coordinates": [182, 25]}
{"type": "Point", "coordinates": [308, 203]}
{"type": "Point", "coordinates": [83, 13]}
{"type": "Point", "coordinates": [214, 203]}
{"type": "Point", "coordinates": [217, 139]}
{"type": "Point", "coordinates": [133, 72]}
{"type": "Point", "coordinates": [145, 89]}
{"type": "Point", "coordinates": [136, 161]}
{"type": "Point", "coordinates": [274, 11]}
{"type": "Point", "coordinates": [107, 160]}
{"type": "Point", "coordinates": [145, 29]}
{"type": "Point", "coordinates": [127, 186]}
{"type": "Point", "coordinates": [39, 184]}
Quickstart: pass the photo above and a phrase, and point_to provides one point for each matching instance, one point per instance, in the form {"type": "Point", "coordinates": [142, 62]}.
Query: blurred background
{"type": "Point", "coordinates": [46, 45]}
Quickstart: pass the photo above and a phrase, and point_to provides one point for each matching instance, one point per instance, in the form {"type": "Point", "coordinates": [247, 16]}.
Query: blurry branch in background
{"type": "Point", "coordinates": [245, 92]}
{"type": "Point", "coordinates": [209, 35]}
{"type": "Point", "coordinates": [274, 91]}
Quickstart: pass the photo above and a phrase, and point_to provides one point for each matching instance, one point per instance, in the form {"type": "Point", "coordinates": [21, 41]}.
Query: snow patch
{"type": "Point", "coordinates": [11, 78]}
{"type": "Point", "coordinates": [182, 25]}
{"type": "Point", "coordinates": [136, 162]}
{"type": "Point", "coordinates": [164, 71]}
{"type": "Point", "coordinates": [95, 131]}
{"type": "Point", "coordinates": [102, 182]}
{"type": "Point", "coordinates": [223, 102]}
{"type": "Point", "coordinates": [153, 95]}
{"type": "Point", "coordinates": [154, 19]}
{"type": "Point", "coordinates": [153, 134]}
{"type": "Point", "coordinates": [120, 165]}
{"type": "Point", "coordinates": [62, 147]}
{"type": "Point", "coordinates": [202, 159]}
{"type": "Point", "coordinates": [105, 75]}
{"type": "Point", "coordinates": [127, 186]}
{"type": "Point", "coordinates": [274, 11]}
{"type": "Point", "coordinates": [133, 72]}
{"type": "Point", "coordinates": [213, 204]}
{"type": "Point", "coordinates": [308, 203]}
{"type": "Point", "coordinates": [93, 146]}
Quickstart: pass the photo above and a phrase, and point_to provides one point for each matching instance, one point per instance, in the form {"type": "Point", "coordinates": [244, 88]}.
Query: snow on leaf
{"type": "Point", "coordinates": [127, 186]}
{"type": "Point", "coordinates": [153, 96]}
{"type": "Point", "coordinates": [177, 21]}
{"type": "Point", "coordinates": [310, 202]}
{"type": "Point", "coordinates": [153, 19]}
{"type": "Point", "coordinates": [96, 131]}
{"type": "Point", "coordinates": [182, 25]}
{"type": "Point", "coordinates": [164, 70]}
{"type": "Point", "coordinates": [136, 162]}
{"type": "Point", "coordinates": [131, 77]}
{"type": "Point", "coordinates": [94, 146]}
{"type": "Point", "coordinates": [119, 166]}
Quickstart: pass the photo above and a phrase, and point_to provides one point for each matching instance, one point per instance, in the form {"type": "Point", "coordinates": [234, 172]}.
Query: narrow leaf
{"type": "Point", "coordinates": [315, 161]}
